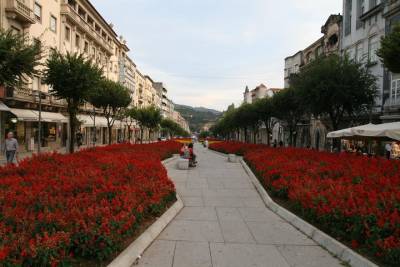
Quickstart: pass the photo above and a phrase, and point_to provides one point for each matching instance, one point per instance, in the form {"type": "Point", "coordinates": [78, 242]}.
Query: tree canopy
{"type": "Point", "coordinates": [335, 87]}
{"type": "Point", "coordinates": [389, 52]}
{"type": "Point", "coordinates": [72, 77]}
{"type": "Point", "coordinates": [111, 97]}
{"type": "Point", "coordinates": [18, 57]}
{"type": "Point", "coordinates": [148, 117]}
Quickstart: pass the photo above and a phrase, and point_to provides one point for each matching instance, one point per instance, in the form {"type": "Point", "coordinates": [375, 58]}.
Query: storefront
{"type": "Point", "coordinates": [93, 131]}
{"type": "Point", "coordinates": [25, 125]}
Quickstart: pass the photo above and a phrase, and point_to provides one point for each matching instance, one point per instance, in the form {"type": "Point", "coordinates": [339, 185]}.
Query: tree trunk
{"type": "Point", "coordinates": [245, 135]}
{"type": "Point", "coordinates": [72, 128]}
{"type": "Point", "coordinates": [255, 136]}
{"type": "Point", "coordinates": [141, 135]}
{"type": "Point", "coordinates": [109, 134]}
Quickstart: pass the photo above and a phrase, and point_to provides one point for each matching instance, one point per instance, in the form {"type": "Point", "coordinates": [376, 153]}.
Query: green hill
{"type": "Point", "coordinates": [197, 117]}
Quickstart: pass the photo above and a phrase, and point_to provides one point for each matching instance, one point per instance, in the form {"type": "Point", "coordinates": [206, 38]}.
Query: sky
{"type": "Point", "coordinates": [207, 51]}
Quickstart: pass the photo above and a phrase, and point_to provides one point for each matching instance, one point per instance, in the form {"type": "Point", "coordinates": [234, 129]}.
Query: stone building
{"type": "Point", "coordinates": [311, 132]}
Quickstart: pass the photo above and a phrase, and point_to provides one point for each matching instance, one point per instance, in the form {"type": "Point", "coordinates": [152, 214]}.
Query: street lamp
{"type": "Point", "coordinates": [39, 95]}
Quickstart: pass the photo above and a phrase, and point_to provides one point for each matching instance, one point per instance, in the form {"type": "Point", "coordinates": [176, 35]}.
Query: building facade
{"type": "Point", "coordinates": [363, 27]}
{"type": "Point", "coordinates": [311, 132]}
{"type": "Point", "coordinates": [391, 81]}
{"type": "Point", "coordinates": [69, 26]}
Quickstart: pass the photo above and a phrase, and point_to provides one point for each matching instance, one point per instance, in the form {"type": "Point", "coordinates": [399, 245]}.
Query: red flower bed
{"type": "Point", "coordinates": [56, 209]}
{"type": "Point", "coordinates": [355, 199]}
{"type": "Point", "coordinates": [233, 147]}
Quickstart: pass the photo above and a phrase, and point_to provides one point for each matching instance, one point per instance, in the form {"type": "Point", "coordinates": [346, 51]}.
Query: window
{"type": "Point", "coordinates": [86, 48]}
{"type": "Point", "coordinates": [395, 90]}
{"type": "Point", "coordinates": [67, 33]}
{"type": "Point", "coordinates": [77, 41]}
{"type": "Point", "coordinates": [373, 46]}
{"type": "Point", "coordinates": [37, 10]}
{"type": "Point", "coordinates": [36, 83]}
{"type": "Point", "coordinates": [359, 52]}
{"type": "Point", "coordinates": [53, 23]}
{"type": "Point", "coordinates": [373, 3]}
{"type": "Point", "coordinates": [348, 17]}
{"type": "Point", "coordinates": [360, 12]}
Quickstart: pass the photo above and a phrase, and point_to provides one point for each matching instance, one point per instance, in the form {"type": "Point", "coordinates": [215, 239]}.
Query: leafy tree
{"type": "Point", "coordinates": [335, 87]}
{"type": "Point", "coordinates": [149, 117]}
{"type": "Point", "coordinates": [73, 78]}
{"type": "Point", "coordinates": [389, 52]}
{"type": "Point", "coordinates": [17, 58]}
{"type": "Point", "coordinates": [172, 128]}
{"type": "Point", "coordinates": [112, 98]}
{"type": "Point", "coordinates": [289, 108]}
{"type": "Point", "coordinates": [204, 134]}
{"type": "Point", "coordinates": [266, 111]}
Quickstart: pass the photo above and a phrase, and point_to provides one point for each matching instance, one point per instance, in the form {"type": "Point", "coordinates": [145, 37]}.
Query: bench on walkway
{"type": "Point", "coordinates": [182, 164]}
{"type": "Point", "coordinates": [232, 158]}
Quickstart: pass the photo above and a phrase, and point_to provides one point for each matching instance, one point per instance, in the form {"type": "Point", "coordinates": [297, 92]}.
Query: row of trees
{"type": "Point", "coordinates": [331, 87]}
{"type": "Point", "coordinates": [77, 80]}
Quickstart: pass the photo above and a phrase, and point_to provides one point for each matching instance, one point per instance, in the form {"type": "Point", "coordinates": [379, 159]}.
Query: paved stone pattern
{"type": "Point", "coordinates": [225, 224]}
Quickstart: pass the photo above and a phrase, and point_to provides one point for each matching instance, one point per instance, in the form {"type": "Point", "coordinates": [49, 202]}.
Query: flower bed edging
{"type": "Point", "coordinates": [132, 254]}
{"type": "Point", "coordinates": [341, 251]}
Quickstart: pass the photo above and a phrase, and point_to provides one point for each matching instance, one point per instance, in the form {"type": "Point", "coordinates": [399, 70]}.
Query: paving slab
{"type": "Point", "coordinates": [241, 255]}
{"type": "Point", "coordinates": [225, 223]}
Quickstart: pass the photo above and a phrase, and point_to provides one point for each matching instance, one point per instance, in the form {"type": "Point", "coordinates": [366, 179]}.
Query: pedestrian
{"type": "Point", "coordinates": [388, 148]}
{"type": "Point", "coordinates": [275, 143]}
{"type": "Point", "coordinates": [281, 143]}
{"type": "Point", "coordinates": [206, 143]}
{"type": "Point", "coordinates": [11, 148]}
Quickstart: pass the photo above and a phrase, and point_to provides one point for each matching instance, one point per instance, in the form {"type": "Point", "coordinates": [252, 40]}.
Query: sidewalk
{"type": "Point", "coordinates": [225, 224]}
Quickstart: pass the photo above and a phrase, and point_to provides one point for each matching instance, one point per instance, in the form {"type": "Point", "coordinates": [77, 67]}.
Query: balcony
{"type": "Point", "coordinates": [71, 14]}
{"type": "Point", "coordinates": [18, 10]}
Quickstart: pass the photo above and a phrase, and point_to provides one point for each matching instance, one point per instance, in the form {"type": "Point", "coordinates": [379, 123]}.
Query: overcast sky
{"type": "Point", "coordinates": [207, 51]}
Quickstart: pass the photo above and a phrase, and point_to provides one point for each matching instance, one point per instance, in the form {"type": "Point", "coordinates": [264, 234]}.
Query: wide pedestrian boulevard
{"type": "Point", "coordinates": [225, 224]}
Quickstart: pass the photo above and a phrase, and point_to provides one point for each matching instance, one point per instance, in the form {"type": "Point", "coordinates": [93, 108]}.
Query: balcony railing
{"type": "Point", "coordinates": [70, 12]}
{"type": "Point", "coordinates": [18, 10]}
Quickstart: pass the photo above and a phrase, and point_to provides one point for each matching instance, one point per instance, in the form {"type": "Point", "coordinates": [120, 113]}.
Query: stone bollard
{"type": "Point", "coordinates": [182, 164]}
{"type": "Point", "coordinates": [232, 158]}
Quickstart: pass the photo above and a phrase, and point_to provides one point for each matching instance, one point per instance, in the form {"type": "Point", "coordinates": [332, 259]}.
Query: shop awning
{"type": "Point", "coordinates": [87, 121]}
{"type": "Point", "coordinates": [386, 130]}
{"type": "Point", "coordinates": [52, 117]}
{"type": "Point", "coordinates": [25, 114]}
{"type": "Point", "coordinates": [3, 107]}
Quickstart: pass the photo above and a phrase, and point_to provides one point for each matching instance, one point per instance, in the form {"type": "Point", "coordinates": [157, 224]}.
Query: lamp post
{"type": "Point", "coordinates": [38, 93]}
{"type": "Point", "coordinates": [40, 121]}
{"type": "Point", "coordinates": [94, 127]}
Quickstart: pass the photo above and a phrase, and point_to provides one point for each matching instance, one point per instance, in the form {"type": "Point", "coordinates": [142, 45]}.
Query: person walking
{"type": "Point", "coordinates": [11, 148]}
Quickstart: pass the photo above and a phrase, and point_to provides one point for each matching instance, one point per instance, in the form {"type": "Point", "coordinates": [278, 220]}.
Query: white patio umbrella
{"type": "Point", "coordinates": [386, 130]}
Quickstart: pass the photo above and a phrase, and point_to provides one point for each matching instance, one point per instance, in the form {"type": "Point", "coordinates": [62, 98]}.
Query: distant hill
{"type": "Point", "coordinates": [197, 117]}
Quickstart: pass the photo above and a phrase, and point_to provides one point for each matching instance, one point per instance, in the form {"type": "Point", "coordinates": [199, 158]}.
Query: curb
{"type": "Point", "coordinates": [132, 254]}
{"type": "Point", "coordinates": [341, 251]}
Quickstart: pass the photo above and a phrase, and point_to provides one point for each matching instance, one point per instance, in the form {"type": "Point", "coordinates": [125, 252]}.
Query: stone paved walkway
{"type": "Point", "coordinates": [225, 224]}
